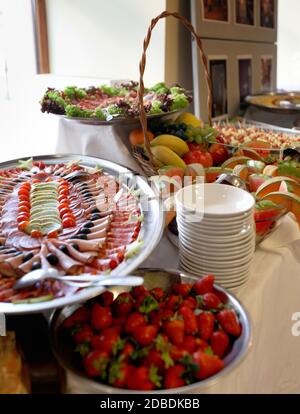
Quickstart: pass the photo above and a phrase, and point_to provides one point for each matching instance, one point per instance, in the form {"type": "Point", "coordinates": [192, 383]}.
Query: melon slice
{"type": "Point", "coordinates": [278, 184]}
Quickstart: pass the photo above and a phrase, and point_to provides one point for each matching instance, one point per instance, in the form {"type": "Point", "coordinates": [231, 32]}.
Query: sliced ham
{"type": "Point", "coordinates": [69, 265]}
{"type": "Point", "coordinates": [89, 245]}
{"type": "Point", "coordinates": [84, 257]}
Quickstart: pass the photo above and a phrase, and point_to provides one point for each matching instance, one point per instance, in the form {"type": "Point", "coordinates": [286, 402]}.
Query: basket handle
{"type": "Point", "coordinates": [189, 26]}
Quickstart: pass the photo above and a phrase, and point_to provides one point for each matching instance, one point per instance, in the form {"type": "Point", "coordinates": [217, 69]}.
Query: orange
{"type": "Point", "coordinates": [276, 184]}
{"type": "Point", "coordinates": [136, 136]}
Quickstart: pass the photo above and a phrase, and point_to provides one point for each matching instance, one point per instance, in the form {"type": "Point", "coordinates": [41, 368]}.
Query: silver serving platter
{"type": "Point", "coordinates": [63, 348]}
{"type": "Point", "coordinates": [118, 120]}
{"type": "Point", "coordinates": [284, 106]}
{"type": "Point", "coordinates": [151, 230]}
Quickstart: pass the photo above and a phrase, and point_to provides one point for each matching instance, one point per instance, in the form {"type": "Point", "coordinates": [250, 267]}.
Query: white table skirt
{"type": "Point", "coordinates": [271, 296]}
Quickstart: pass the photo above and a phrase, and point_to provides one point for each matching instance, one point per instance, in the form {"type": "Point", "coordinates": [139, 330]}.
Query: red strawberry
{"type": "Point", "coordinates": [123, 304]}
{"type": "Point", "coordinates": [174, 330]}
{"type": "Point", "coordinates": [107, 340]}
{"type": "Point", "coordinates": [182, 289]}
{"type": "Point", "coordinates": [190, 302]}
{"type": "Point", "coordinates": [174, 377]}
{"type": "Point", "coordinates": [206, 322]}
{"type": "Point", "coordinates": [229, 321]}
{"type": "Point", "coordinates": [190, 321]}
{"type": "Point", "coordinates": [127, 350]}
{"type": "Point", "coordinates": [158, 294]}
{"type": "Point", "coordinates": [157, 318]}
{"type": "Point", "coordinates": [204, 285]}
{"type": "Point", "coordinates": [101, 317]}
{"type": "Point", "coordinates": [106, 298]}
{"type": "Point", "coordinates": [134, 320]}
{"type": "Point", "coordinates": [208, 364]}
{"type": "Point", "coordinates": [83, 334]}
{"type": "Point", "coordinates": [173, 302]}
{"type": "Point", "coordinates": [189, 344]}
{"type": "Point", "coordinates": [211, 301]}
{"type": "Point", "coordinates": [119, 373]}
{"type": "Point", "coordinates": [80, 316]}
{"type": "Point", "coordinates": [138, 291]}
{"type": "Point", "coordinates": [220, 343]}
{"type": "Point", "coordinates": [144, 378]}
{"type": "Point", "coordinates": [177, 352]}
{"type": "Point", "coordinates": [201, 344]}
{"type": "Point", "coordinates": [145, 334]}
{"type": "Point", "coordinates": [154, 358]}
{"type": "Point", "coordinates": [95, 363]}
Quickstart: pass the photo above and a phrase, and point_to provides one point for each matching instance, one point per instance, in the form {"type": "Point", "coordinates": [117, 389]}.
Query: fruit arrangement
{"type": "Point", "coordinates": [185, 147]}
{"type": "Point", "coordinates": [150, 339]}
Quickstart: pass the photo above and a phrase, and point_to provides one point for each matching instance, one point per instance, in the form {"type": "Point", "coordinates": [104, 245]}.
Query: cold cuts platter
{"type": "Point", "coordinates": [76, 214]}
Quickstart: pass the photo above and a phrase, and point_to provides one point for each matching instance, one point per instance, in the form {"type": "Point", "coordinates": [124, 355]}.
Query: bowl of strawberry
{"type": "Point", "coordinates": [174, 334]}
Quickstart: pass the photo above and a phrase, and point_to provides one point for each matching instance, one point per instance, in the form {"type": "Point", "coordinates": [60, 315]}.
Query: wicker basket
{"type": "Point", "coordinates": [147, 165]}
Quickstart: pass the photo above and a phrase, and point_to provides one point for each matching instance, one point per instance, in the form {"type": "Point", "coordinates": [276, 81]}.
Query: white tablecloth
{"type": "Point", "coordinates": [272, 295]}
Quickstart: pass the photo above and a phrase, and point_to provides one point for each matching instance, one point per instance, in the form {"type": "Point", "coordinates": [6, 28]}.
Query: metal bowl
{"type": "Point", "coordinates": [63, 347]}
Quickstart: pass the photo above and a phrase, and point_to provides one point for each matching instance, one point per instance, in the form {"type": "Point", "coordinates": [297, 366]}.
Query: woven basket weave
{"type": "Point", "coordinates": [148, 166]}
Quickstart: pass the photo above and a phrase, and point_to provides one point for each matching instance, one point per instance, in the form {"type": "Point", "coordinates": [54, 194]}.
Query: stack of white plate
{"type": "Point", "coordinates": [216, 232]}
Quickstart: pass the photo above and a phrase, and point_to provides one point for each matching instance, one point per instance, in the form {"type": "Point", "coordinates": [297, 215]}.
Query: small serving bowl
{"type": "Point", "coordinates": [62, 345]}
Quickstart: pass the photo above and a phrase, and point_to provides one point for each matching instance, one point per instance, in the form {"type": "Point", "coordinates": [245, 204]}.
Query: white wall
{"type": "Point", "coordinates": [288, 69]}
{"type": "Point", "coordinates": [103, 38]}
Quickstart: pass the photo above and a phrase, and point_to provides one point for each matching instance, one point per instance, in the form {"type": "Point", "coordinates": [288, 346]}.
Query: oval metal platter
{"type": "Point", "coordinates": [151, 230]}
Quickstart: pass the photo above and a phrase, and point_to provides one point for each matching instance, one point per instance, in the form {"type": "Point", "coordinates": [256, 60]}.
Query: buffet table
{"type": "Point", "coordinates": [271, 297]}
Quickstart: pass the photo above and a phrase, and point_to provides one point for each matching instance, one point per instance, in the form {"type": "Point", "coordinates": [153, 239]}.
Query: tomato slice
{"type": "Point", "coordinates": [68, 222]}
{"type": "Point", "coordinates": [24, 209]}
{"type": "Point", "coordinates": [35, 181]}
{"type": "Point", "coordinates": [22, 217]}
{"type": "Point", "coordinates": [24, 197]}
{"type": "Point", "coordinates": [63, 191]}
{"type": "Point", "coordinates": [63, 199]}
{"type": "Point", "coordinates": [62, 206]}
{"type": "Point", "coordinates": [24, 204]}
{"type": "Point", "coordinates": [65, 211]}
{"type": "Point", "coordinates": [36, 234]}
{"type": "Point", "coordinates": [23, 225]}
{"type": "Point", "coordinates": [52, 234]}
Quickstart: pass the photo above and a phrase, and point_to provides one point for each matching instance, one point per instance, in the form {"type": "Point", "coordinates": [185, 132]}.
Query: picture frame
{"type": "Point", "coordinates": [233, 29]}
{"type": "Point", "coordinates": [215, 11]}
{"type": "Point", "coordinates": [267, 14]}
{"type": "Point", "coordinates": [219, 78]}
{"type": "Point", "coordinates": [245, 76]}
{"type": "Point", "coordinates": [244, 12]}
{"type": "Point", "coordinates": [266, 70]}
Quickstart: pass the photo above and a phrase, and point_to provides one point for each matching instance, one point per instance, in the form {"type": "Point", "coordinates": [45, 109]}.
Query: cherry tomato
{"type": "Point", "coordinates": [22, 217]}
{"type": "Point", "coordinates": [65, 210]}
{"type": "Point", "coordinates": [68, 222]}
{"type": "Point", "coordinates": [62, 206]}
{"type": "Point", "coordinates": [23, 225]}
{"type": "Point", "coordinates": [24, 191]}
{"type": "Point", "coordinates": [36, 234]}
{"type": "Point", "coordinates": [62, 199]}
{"type": "Point", "coordinates": [68, 216]}
{"type": "Point", "coordinates": [24, 204]}
{"type": "Point", "coordinates": [25, 185]}
{"type": "Point", "coordinates": [52, 234]}
{"type": "Point", "coordinates": [41, 165]}
{"type": "Point", "coordinates": [24, 209]}
{"type": "Point", "coordinates": [200, 157]}
{"type": "Point", "coordinates": [63, 191]}
{"type": "Point", "coordinates": [24, 197]}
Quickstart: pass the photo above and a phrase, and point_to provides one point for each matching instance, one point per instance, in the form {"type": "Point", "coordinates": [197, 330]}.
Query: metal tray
{"type": "Point", "coordinates": [63, 348]}
{"type": "Point", "coordinates": [120, 121]}
{"type": "Point", "coordinates": [151, 231]}
{"type": "Point", "coordinates": [283, 102]}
